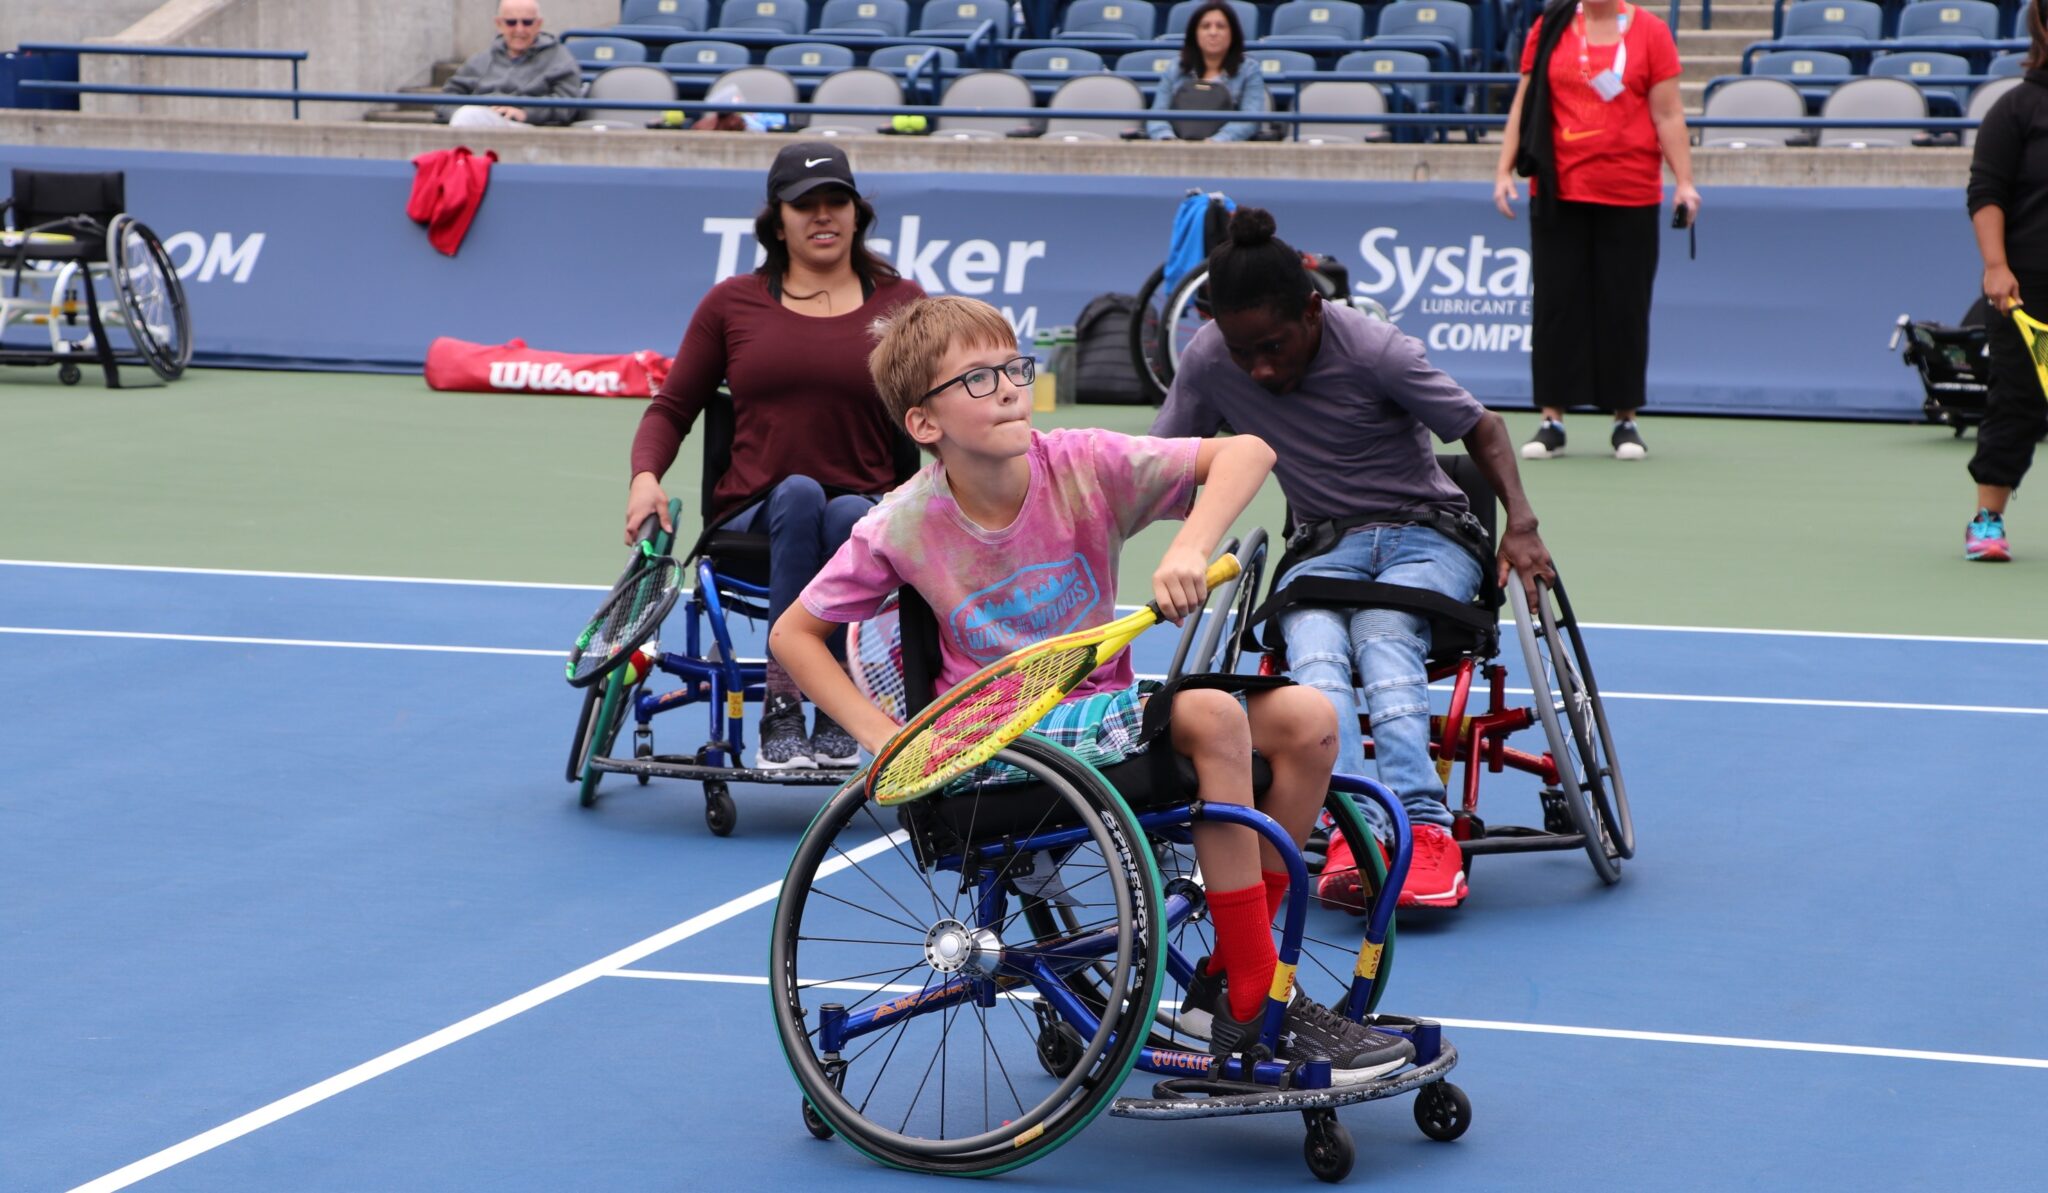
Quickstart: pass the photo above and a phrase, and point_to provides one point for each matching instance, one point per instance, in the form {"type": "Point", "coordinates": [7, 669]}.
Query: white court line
{"type": "Point", "coordinates": [321, 642]}
{"type": "Point", "coordinates": [265, 575]}
{"type": "Point", "coordinates": [312, 1095]}
{"type": "Point", "coordinates": [435, 648]}
{"type": "Point", "coordinates": [1591, 625]}
{"type": "Point", "coordinates": [1541, 1029]}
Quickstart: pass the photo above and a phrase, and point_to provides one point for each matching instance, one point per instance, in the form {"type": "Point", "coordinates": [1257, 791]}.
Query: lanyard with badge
{"type": "Point", "coordinates": [1607, 84]}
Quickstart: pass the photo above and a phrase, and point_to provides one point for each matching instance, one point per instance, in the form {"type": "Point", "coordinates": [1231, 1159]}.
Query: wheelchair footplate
{"type": "Point", "coordinates": [1442, 1110]}
{"type": "Point", "coordinates": [686, 766]}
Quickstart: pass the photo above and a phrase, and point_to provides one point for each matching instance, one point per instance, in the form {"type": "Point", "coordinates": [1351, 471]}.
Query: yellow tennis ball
{"type": "Point", "coordinates": [907, 124]}
{"type": "Point", "coordinates": [672, 118]}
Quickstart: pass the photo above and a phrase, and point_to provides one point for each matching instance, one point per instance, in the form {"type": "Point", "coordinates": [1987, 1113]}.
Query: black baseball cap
{"type": "Point", "coordinates": [804, 167]}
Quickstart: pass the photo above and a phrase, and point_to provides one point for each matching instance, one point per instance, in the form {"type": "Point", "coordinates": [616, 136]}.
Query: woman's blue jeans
{"type": "Point", "coordinates": [804, 528]}
{"type": "Point", "coordinates": [1384, 649]}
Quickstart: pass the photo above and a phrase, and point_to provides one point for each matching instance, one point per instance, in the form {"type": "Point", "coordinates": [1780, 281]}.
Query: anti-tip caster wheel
{"type": "Point", "coordinates": [720, 814]}
{"type": "Point", "coordinates": [818, 1127]}
{"type": "Point", "coordinates": [1442, 1111]}
{"type": "Point", "coordinates": [1328, 1148]}
{"type": "Point", "coordinates": [1059, 1050]}
{"type": "Point", "coordinates": [68, 373]}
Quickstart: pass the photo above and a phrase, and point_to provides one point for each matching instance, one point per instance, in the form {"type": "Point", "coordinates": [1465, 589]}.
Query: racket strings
{"type": "Point", "coordinates": [974, 724]}
{"type": "Point", "coordinates": [626, 615]}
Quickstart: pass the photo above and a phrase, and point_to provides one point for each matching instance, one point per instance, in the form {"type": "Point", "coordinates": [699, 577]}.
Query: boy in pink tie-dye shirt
{"type": "Point", "coordinates": [1012, 536]}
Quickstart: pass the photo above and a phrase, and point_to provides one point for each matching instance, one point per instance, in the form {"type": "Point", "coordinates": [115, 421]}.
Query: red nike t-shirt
{"type": "Point", "coordinates": [1607, 152]}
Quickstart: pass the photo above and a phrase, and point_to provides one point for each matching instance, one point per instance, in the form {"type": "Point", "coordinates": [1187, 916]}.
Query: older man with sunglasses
{"type": "Point", "coordinates": [522, 61]}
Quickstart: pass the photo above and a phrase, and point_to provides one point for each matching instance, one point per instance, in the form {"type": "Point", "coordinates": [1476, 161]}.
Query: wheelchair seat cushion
{"type": "Point", "coordinates": [1458, 629]}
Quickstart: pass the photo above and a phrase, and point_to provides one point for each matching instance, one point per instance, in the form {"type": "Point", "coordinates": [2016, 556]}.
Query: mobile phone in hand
{"type": "Point", "coordinates": [1681, 216]}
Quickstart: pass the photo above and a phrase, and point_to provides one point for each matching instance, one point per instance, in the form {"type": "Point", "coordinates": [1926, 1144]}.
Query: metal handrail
{"type": "Point", "coordinates": [92, 47]}
{"type": "Point", "coordinates": [1450, 119]}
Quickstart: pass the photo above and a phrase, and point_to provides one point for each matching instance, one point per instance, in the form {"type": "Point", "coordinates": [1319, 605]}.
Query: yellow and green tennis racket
{"type": "Point", "coordinates": [2035, 333]}
{"type": "Point", "coordinates": [1001, 702]}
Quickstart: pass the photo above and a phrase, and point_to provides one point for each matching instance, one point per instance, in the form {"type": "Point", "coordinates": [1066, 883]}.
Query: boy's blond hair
{"type": "Point", "coordinates": [916, 337]}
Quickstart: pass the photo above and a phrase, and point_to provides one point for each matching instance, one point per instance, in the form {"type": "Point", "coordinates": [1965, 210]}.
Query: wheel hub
{"type": "Point", "coordinates": [953, 947]}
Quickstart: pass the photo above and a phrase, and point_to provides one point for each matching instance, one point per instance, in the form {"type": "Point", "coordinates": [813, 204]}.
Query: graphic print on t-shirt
{"type": "Point", "coordinates": [1029, 604]}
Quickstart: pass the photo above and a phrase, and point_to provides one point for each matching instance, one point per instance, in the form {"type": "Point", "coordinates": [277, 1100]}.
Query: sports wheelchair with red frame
{"type": "Point", "coordinates": [1583, 800]}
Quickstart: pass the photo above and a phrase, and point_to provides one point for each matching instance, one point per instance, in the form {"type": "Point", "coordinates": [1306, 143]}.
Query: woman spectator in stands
{"type": "Point", "coordinates": [813, 445]}
{"type": "Point", "coordinates": [2008, 199]}
{"type": "Point", "coordinates": [1595, 118]}
{"type": "Point", "coordinates": [1212, 75]}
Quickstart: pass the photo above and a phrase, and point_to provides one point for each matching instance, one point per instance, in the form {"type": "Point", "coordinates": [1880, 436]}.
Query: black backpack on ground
{"type": "Point", "coordinates": [1102, 352]}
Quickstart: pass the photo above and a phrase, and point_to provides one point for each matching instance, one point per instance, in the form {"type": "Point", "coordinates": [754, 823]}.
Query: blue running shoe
{"type": "Point", "coordinates": [1984, 539]}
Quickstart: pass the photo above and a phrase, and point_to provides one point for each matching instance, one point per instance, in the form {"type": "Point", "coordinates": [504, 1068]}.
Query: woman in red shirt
{"type": "Point", "coordinates": [812, 443]}
{"type": "Point", "coordinates": [1596, 116]}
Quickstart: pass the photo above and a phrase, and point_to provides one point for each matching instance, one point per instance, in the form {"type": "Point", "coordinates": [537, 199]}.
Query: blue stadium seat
{"type": "Point", "coordinates": [1337, 20]}
{"type": "Point", "coordinates": [889, 18]}
{"type": "Point", "coordinates": [1794, 65]}
{"type": "Point", "coordinates": [1835, 20]}
{"type": "Point", "coordinates": [602, 52]}
{"type": "Point", "coordinates": [963, 16]}
{"type": "Point", "coordinates": [1177, 17]}
{"type": "Point", "coordinates": [1392, 62]}
{"type": "Point", "coordinates": [1949, 20]}
{"type": "Point", "coordinates": [897, 59]}
{"type": "Point", "coordinates": [693, 15]}
{"type": "Point", "coordinates": [1073, 61]}
{"type": "Point", "coordinates": [809, 58]}
{"type": "Point", "coordinates": [761, 16]}
{"type": "Point", "coordinates": [1912, 65]}
{"type": "Point", "coordinates": [1278, 62]}
{"type": "Point", "coordinates": [2009, 65]}
{"type": "Point", "coordinates": [1446, 21]}
{"type": "Point", "coordinates": [1132, 20]}
{"type": "Point", "coordinates": [704, 55]}
{"type": "Point", "coordinates": [1146, 66]}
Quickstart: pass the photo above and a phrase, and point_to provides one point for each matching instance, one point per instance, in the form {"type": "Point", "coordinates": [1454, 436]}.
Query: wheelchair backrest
{"type": "Point", "coordinates": [45, 196]}
{"type": "Point", "coordinates": [920, 627]}
{"type": "Point", "coordinates": [1485, 503]}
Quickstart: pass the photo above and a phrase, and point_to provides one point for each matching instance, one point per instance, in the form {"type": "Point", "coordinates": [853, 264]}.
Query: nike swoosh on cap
{"type": "Point", "coordinates": [812, 161]}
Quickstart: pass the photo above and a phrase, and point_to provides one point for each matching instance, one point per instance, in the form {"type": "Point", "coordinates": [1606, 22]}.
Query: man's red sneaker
{"type": "Point", "coordinates": [1339, 887]}
{"type": "Point", "coordinates": [1436, 870]}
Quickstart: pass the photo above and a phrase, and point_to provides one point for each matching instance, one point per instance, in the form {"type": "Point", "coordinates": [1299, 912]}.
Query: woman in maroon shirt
{"type": "Point", "coordinates": [812, 444]}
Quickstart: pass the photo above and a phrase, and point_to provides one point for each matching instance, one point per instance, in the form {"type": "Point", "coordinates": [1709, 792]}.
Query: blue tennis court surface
{"type": "Point", "coordinates": [296, 897]}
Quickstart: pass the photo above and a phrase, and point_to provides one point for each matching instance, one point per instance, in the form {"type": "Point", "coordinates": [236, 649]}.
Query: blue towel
{"type": "Point", "coordinates": [1186, 253]}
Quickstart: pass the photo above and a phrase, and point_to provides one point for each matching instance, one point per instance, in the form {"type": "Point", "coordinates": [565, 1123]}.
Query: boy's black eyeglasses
{"type": "Point", "coordinates": [981, 382]}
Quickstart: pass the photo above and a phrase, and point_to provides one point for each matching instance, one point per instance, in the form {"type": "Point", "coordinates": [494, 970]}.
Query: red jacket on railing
{"type": "Point", "coordinates": [447, 187]}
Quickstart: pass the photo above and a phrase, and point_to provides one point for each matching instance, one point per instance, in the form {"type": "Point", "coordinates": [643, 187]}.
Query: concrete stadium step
{"type": "Point", "coordinates": [1701, 67]}
{"type": "Point", "coordinates": [1726, 16]}
{"type": "Point", "coordinates": [1720, 41]}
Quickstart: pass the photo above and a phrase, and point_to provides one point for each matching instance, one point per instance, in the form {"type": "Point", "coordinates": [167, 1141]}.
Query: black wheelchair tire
{"type": "Point", "coordinates": [1144, 338]}
{"type": "Point", "coordinates": [1610, 798]}
{"type": "Point", "coordinates": [1569, 747]}
{"type": "Point", "coordinates": [1105, 1060]}
{"type": "Point", "coordinates": [602, 734]}
{"type": "Point", "coordinates": [166, 360]}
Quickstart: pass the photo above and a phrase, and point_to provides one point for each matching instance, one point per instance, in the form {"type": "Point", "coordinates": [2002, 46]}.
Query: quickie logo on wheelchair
{"type": "Point", "coordinates": [1041, 601]}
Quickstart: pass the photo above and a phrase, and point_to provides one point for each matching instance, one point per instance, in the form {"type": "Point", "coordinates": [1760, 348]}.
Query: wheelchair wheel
{"type": "Point", "coordinates": [152, 299]}
{"type": "Point", "coordinates": [1329, 945]}
{"type": "Point", "coordinates": [922, 974]}
{"type": "Point", "coordinates": [1610, 796]}
{"type": "Point", "coordinates": [1145, 337]}
{"type": "Point", "coordinates": [1564, 704]}
{"type": "Point", "coordinates": [1185, 313]}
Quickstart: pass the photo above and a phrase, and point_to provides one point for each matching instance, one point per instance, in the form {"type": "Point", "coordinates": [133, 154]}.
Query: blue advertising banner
{"type": "Point", "coordinates": [311, 260]}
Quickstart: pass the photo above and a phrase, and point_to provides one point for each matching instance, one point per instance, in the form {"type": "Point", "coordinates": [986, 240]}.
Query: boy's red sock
{"type": "Point", "coordinates": [1244, 947]}
{"type": "Point", "coordinates": [1276, 892]}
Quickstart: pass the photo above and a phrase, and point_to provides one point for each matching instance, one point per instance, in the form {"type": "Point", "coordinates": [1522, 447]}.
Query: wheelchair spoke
{"type": "Point", "coordinates": [887, 893]}
{"type": "Point", "coordinates": [909, 863]}
{"type": "Point", "coordinates": [938, 1054]}
{"type": "Point", "coordinates": [871, 911]}
{"type": "Point", "coordinates": [899, 944]}
{"type": "Point", "coordinates": [896, 1036]}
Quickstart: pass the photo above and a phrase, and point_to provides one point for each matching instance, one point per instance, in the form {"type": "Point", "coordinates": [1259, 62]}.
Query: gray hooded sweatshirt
{"type": "Point", "coordinates": [546, 69]}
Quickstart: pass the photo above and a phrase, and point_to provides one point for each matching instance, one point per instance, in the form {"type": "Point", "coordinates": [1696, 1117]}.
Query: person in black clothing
{"type": "Point", "coordinates": [2008, 199]}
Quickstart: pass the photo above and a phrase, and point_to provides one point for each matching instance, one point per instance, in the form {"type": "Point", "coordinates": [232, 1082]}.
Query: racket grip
{"type": "Point", "coordinates": [649, 528]}
{"type": "Point", "coordinates": [1223, 569]}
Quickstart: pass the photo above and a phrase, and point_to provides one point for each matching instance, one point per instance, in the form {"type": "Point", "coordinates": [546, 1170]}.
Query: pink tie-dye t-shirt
{"type": "Point", "coordinates": [1050, 572]}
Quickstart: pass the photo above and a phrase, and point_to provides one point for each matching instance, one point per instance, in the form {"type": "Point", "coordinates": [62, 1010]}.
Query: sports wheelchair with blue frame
{"type": "Point", "coordinates": [1583, 799]}
{"type": "Point", "coordinates": [731, 577]}
{"type": "Point", "coordinates": [962, 983]}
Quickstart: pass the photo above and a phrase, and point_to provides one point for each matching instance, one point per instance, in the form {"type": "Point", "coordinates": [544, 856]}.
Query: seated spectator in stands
{"type": "Point", "coordinates": [522, 61]}
{"type": "Point", "coordinates": [1212, 75]}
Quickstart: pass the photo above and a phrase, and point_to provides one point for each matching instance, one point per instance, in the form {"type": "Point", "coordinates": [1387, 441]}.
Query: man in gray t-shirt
{"type": "Point", "coordinates": [1348, 404]}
